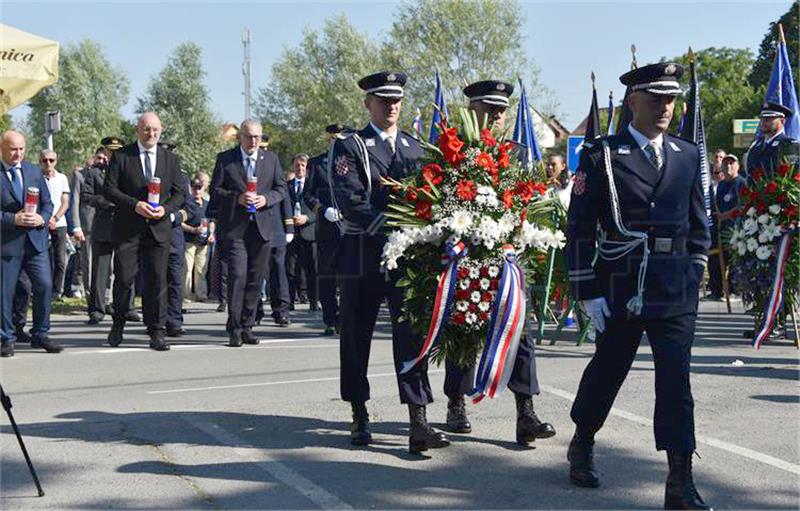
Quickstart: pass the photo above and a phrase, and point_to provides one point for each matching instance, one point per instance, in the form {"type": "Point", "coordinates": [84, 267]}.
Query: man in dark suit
{"type": "Point", "coordinates": [317, 194]}
{"type": "Point", "coordinates": [279, 299]}
{"type": "Point", "coordinates": [24, 246]}
{"type": "Point", "coordinates": [142, 231]}
{"type": "Point", "coordinates": [177, 260]}
{"type": "Point", "coordinates": [773, 144]}
{"type": "Point", "coordinates": [244, 224]}
{"type": "Point", "coordinates": [650, 259]}
{"type": "Point", "coordinates": [303, 250]}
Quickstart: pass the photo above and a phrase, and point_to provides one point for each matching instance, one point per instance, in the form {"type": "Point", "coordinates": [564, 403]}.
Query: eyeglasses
{"type": "Point", "coordinates": [49, 160]}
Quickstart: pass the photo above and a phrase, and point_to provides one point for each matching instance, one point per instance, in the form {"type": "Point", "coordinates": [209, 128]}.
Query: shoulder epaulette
{"type": "Point", "coordinates": [686, 140]}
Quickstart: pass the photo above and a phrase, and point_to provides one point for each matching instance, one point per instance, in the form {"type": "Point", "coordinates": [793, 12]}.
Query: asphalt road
{"type": "Point", "coordinates": [205, 426]}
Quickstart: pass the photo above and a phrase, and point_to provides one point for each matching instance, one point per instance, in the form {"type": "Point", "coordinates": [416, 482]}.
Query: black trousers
{"type": "Point", "coordinates": [363, 287]}
{"type": "Point", "coordinates": [303, 266]}
{"type": "Point", "coordinates": [458, 381]}
{"type": "Point", "coordinates": [153, 256]}
{"type": "Point", "coordinates": [248, 265]}
{"type": "Point", "coordinates": [175, 264]}
{"type": "Point", "coordinates": [671, 342]}
{"type": "Point", "coordinates": [102, 254]}
{"type": "Point", "coordinates": [326, 281]}
{"type": "Point", "coordinates": [278, 283]}
{"type": "Point", "coordinates": [58, 258]}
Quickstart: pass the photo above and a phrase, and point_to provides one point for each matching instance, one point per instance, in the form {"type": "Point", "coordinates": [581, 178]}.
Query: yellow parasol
{"type": "Point", "coordinates": [28, 63]}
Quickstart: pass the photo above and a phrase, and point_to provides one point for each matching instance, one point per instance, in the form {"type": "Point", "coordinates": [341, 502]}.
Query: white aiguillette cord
{"type": "Point", "coordinates": [610, 250]}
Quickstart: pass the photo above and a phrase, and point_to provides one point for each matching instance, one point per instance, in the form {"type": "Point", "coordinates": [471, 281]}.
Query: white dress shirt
{"type": "Point", "coordinates": [143, 151]}
{"type": "Point", "coordinates": [642, 141]}
{"type": "Point", "coordinates": [384, 135]}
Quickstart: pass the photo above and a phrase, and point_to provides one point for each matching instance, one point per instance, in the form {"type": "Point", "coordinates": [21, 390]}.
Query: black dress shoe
{"type": "Point", "coordinates": [235, 339]}
{"type": "Point", "coordinates": [94, 319]}
{"type": "Point", "coordinates": [158, 341]}
{"type": "Point", "coordinates": [329, 330]}
{"type": "Point", "coordinates": [282, 322]}
{"type": "Point", "coordinates": [580, 455]}
{"type": "Point", "coordinates": [359, 429]}
{"type": "Point", "coordinates": [248, 337]}
{"type": "Point", "coordinates": [314, 307]}
{"type": "Point", "coordinates": [23, 336]}
{"type": "Point", "coordinates": [7, 349]}
{"type": "Point", "coordinates": [47, 344]}
{"type": "Point", "coordinates": [422, 436]}
{"type": "Point", "coordinates": [680, 491]}
{"type": "Point", "coordinates": [175, 332]}
{"type": "Point", "coordinates": [457, 421]}
{"type": "Point", "coordinates": [115, 335]}
{"type": "Point", "coordinates": [133, 316]}
{"type": "Point", "coordinates": [529, 427]}
{"type": "Point", "coordinates": [222, 307]}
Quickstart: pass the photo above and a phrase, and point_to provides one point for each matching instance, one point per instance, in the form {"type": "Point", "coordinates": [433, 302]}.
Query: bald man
{"type": "Point", "coordinates": [25, 242]}
{"type": "Point", "coordinates": [143, 230]}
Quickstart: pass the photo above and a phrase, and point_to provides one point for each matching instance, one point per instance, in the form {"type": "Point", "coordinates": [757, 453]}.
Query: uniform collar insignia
{"type": "Point", "coordinates": [370, 142]}
{"type": "Point", "coordinates": [675, 147]}
{"type": "Point", "coordinates": [775, 143]}
{"type": "Point", "coordinates": [624, 149]}
{"type": "Point", "coordinates": [404, 141]}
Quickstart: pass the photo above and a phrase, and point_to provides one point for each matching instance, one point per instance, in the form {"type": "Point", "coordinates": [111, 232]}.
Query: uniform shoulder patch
{"type": "Point", "coordinates": [341, 166]}
{"type": "Point", "coordinates": [579, 183]}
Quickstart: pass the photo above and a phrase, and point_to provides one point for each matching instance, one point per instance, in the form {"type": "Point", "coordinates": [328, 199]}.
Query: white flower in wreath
{"type": "Point", "coordinates": [474, 273]}
{"type": "Point", "coordinates": [462, 306]}
{"type": "Point", "coordinates": [734, 238]}
{"type": "Point", "coordinates": [461, 221]}
{"type": "Point", "coordinates": [471, 318]}
{"type": "Point", "coordinates": [464, 284]}
{"type": "Point", "coordinates": [485, 283]}
{"type": "Point", "coordinates": [741, 247]}
{"type": "Point", "coordinates": [475, 296]}
{"type": "Point", "coordinates": [750, 226]}
{"type": "Point", "coordinates": [484, 306]}
{"type": "Point", "coordinates": [494, 271]}
{"type": "Point", "coordinates": [763, 219]}
{"type": "Point", "coordinates": [752, 245]}
{"type": "Point", "coordinates": [764, 236]}
{"type": "Point", "coordinates": [775, 209]}
{"type": "Point", "coordinates": [763, 252]}
{"type": "Point", "coordinates": [506, 224]}
{"type": "Point", "coordinates": [751, 212]}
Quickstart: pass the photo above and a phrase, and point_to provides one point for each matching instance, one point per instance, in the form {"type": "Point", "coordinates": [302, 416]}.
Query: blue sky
{"type": "Point", "coordinates": [566, 39]}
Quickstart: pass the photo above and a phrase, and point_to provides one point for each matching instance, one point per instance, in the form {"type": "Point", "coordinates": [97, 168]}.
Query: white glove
{"type": "Point", "coordinates": [598, 311]}
{"type": "Point", "coordinates": [289, 237]}
{"type": "Point", "coordinates": [332, 215]}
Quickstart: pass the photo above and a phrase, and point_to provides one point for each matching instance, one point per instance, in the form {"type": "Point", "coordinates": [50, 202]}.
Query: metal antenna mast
{"type": "Point", "coordinates": [246, 71]}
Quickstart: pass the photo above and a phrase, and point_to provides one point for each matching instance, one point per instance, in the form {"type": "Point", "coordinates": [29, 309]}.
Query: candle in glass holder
{"type": "Point", "coordinates": [31, 199]}
{"type": "Point", "coordinates": [154, 192]}
{"type": "Point", "coordinates": [252, 183]}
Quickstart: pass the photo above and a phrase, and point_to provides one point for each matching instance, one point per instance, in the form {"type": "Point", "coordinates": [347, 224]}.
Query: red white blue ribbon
{"type": "Point", "coordinates": [443, 304]}
{"type": "Point", "coordinates": [505, 328]}
{"type": "Point", "coordinates": [775, 296]}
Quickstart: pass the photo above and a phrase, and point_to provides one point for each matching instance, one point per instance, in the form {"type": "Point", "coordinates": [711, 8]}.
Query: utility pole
{"type": "Point", "coordinates": [246, 71]}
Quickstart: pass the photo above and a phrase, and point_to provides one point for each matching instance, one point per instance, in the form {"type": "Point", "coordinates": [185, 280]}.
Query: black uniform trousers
{"type": "Point", "coordinates": [302, 261]}
{"type": "Point", "coordinates": [363, 287]}
{"type": "Point", "coordinates": [326, 281]}
{"type": "Point", "coordinates": [278, 283]}
{"type": "Point", "coordinates": [152, 255]}
{"type": "Point", "coordinates": [458, 380]}
{"type": "Point", "coordinates": [248, 266]}
{"type": "Point", "coordinates": [175, 264]}
{"type": "Point", "coordinates": [671, 342]}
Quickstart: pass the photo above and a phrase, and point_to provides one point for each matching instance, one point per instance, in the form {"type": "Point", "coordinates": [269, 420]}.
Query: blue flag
{"type": "Point", "coordinates": [593, 120]}
{"type": "Point", "coordinates": [610, 124]}
{"type": "Point", "coordinates": [524, 134]}
{"type": "Point", "coordinates": [781, 88]}
{"type": "Point", "coordinates": [439, 111]}
{"type": "Point", "coordinates": [417, 126]}
{"type": "Point", "coordinates": [694, 130]}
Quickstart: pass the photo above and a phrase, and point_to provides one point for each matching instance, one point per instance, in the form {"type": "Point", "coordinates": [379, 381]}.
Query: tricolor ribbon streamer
{"type": "Point", "coordinates": [505, 328]}
{"type": "Point", "coordinates": [775, 296]}
{"type": "Point", "coordinates": [443, 304]}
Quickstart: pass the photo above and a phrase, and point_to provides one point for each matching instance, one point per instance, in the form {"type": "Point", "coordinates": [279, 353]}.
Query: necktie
{"type": "Point", "coordinates": [148, 167]}
{"type": "Point", "coordinates": [250, 168]}
{"type": "Point", "coordinates": [654, 154]}
{"type": "Point", "coordinates": [391, 142]}
{"type": "Point", "coordinates": [12, 173]}
{"type": "Point", "coordinates": [298, 188]}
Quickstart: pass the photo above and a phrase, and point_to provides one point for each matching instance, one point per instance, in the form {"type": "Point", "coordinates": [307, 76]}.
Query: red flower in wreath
{"type": "Point", "coordinates": [783, 169]}
{"type": "Point", "coordinates": [466, 190]}
{"type": "Point", "coordinates": [463, 273]}
{"type": "Point", "coordinates": [450, 145]}
{"type": "Point", "coordinates": [458, 318]}
{"type": "Point", "coordinates": [796, 177]}
{"type": "Point", "coordinates": [422, 210]}
{"type": "Point", "coordinates": [758, 174]}
{"type": "Point", "coordinates": [433, 173]}
{"type": "Point", "coordinates": [487, 138]}
{"type": "Point", "coordinates": [411, 194]}
{"type": "Point", "coordinates": [508, 199]}
{"type": "Point", "coordinates": [486, 161]}
{"type": "Point", "coordinates": [771, 187]}
{"type": "Point", "coordinates": [791, 212]}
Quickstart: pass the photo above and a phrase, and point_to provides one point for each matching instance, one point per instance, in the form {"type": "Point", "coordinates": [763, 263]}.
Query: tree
{"type": "Point", "coordinates": [467, 40]}
{"type": "Point", "coordinates": [762, 67]}
{"type": "Point", "coordinates": [723, 94]}
{"type": "Point", "coordinates": [314, 85]}
{"type": "Point", "coordinates": [179, 97]}
{"type": "Point", "coordinates": [5, 122]}
{"type": "Point", "coordinates": [89, 94]}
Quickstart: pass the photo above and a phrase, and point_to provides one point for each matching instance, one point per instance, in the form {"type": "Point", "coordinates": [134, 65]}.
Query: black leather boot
{"type": "Point", "coordinates": [422, 436]}
{"type": "Point", "coordinates": [680, 492]}
{"type": "Point", "coordinates": [457, 420]}
{"type": "Point", "coordinates": [529, 427]}
{"type": "Point", "coordinates": [581, 462]}
{"type": "Point", "coordinates": [359, 429]}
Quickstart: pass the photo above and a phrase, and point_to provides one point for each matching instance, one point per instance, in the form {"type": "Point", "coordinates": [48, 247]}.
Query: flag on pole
{"type": "Point", "coordinates": [781, 87]}
{"type": "Point", "coordinates": [439, 111]}
{"type": "Point", "coordinates": [626, 115]}
{"type": "Point", "coordinates": [682, 123]}
{"type": "Point", "coordinates": [416, 125]}
{"type": "Point", "coordinates": [694, 130]}
{"type": "Point", "coordinates": [610, 123]}
{"type": "Point", "coordinates": [524, 134]}
{"type": "Point", "coordinates": [593, 120]}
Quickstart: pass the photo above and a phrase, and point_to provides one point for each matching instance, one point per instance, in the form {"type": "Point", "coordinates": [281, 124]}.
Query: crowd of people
{"type": "Point", "coordinates": [253, 233]}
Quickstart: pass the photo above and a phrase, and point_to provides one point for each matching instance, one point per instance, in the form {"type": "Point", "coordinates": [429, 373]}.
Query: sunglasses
{"type": "Point", "coordinates": [49, 160]}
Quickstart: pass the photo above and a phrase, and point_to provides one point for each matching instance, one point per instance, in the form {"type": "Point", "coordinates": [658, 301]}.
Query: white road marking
{"type": "Point", "coordinates": [199, 347]}
{"type": "Point", "coordinates": [703, 439]}
{"type": "Point", "coordinates": [273, 467]}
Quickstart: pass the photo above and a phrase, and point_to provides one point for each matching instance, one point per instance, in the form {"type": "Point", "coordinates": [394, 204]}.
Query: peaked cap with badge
{"type": "Point", "coordinates": [386, 84]}
{"type": "Point", "coordinates": [660, 79]}
{"type": "Point", "coordinates": [491, 92]}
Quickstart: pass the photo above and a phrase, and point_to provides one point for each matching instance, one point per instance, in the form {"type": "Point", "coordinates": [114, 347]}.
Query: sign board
{"type": "Point", "coordinates": [574, 146]}
{"type": "Point", "coordinates": [745, 126]}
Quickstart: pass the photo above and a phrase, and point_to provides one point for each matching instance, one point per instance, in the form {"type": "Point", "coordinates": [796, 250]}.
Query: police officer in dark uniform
{"type": "Point", "coordinates": [359, 162]}
{"type": "Point", "coordinates": [317, 195]}
{"type": "Point", "coordinates": [644, 189]}
{"type": "Point", "coordinates": [489, 100]}
{"type": "Point", "coordinates": [773, 145]}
